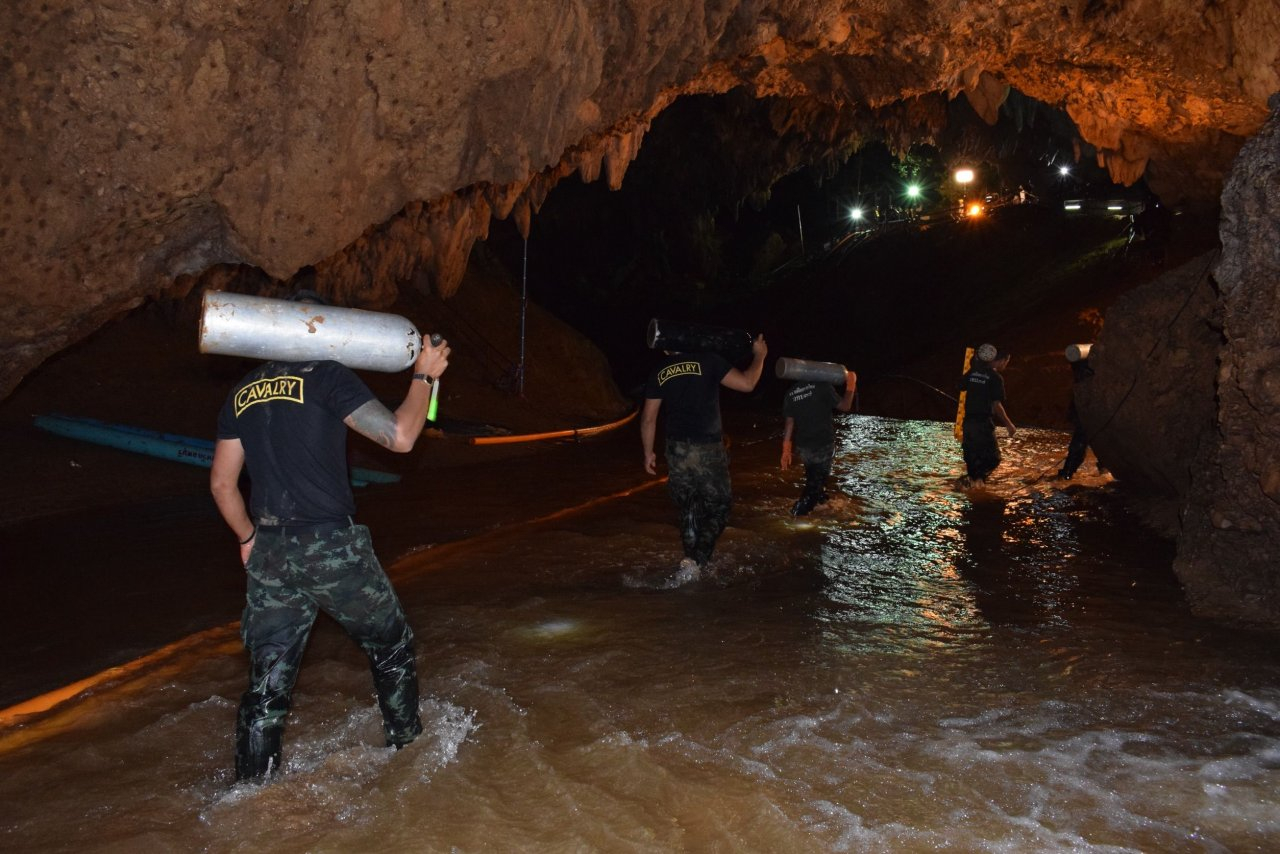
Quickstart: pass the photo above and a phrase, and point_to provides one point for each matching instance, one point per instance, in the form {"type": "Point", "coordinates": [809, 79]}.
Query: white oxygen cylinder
{"type": "Point", "coordinates": [1076, 352]}
{"type": "Point", "coordinates": [811, 372]}
{"type": "Point", "coordinates": [287, 331]}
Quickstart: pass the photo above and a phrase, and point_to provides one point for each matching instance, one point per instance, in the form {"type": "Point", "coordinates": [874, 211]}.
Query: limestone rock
{"type": "Point", "coordinates": [1228, 552]}
{"type": "Point", "coordinates": [1150, 403]}
{"type": "Point", "coordinates": [149, 141]}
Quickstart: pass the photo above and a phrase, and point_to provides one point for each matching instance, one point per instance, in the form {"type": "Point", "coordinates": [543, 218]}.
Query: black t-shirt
{"type": "Point", "coordinates": [810, 405]}
{"type": "Point", "coordinates": [983, 387]}
{"type": "Point", "coordinates": [689, 387]}
{"type": "Point", "coordinates": [289, 418]}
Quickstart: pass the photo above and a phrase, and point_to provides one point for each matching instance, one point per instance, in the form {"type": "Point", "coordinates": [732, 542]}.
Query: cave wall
{"type": "Point", "coordinates": [1229, 545]}
{"type": "Point", "coordinates": [1185, 404]}
{"type": "Point", "coordinates": [147, 142]}
{"type": "Point", "coordinates": [1150, 404]}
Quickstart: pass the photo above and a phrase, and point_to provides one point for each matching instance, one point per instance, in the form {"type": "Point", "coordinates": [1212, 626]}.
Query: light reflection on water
{"type": "Point", "coordinates": [910, 668]}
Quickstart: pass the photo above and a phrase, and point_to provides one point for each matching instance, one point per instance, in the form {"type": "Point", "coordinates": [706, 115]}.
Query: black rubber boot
{"type": "Point", "coordinates": [258, 742]}
{"type": "Point", "coordinates": [395, 678]}
{"type": "Point", "coordinates": [803, 506]}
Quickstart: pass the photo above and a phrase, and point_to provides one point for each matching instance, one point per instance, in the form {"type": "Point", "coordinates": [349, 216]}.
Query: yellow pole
{"type": "Point", "coordinates": [959, 430]}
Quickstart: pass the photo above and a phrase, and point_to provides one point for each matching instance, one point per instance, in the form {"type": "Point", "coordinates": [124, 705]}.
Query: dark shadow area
{"type": "Point", "coordinates": [733, 214]}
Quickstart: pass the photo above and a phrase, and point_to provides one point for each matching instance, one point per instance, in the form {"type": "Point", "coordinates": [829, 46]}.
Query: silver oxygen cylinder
{"type": "Point", "coordinates": [1076, 352]}
{"type": "Point", "coordinates": [811, 372]}
{"type": "Point", "coordinates": [288, 331]}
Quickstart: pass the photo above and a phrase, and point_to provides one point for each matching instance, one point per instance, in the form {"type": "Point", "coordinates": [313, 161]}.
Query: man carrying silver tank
{"type": "Point", "coordinates": [697, 461]}
{"type": "Point", "coordinates": [302, 552]}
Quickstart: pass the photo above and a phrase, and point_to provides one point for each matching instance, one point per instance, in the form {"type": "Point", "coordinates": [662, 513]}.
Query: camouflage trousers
{"type": "Point", "coordinates": [698, 481]}
{"type": "Point", "coordinates": [291, 577]}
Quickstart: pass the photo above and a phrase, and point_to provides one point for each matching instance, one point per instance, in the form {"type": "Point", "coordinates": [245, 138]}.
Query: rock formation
{"type": "Point", "coordinates": [1228, 557]}
{"type": "Point", "coordinates": [148, 141]}
{"type": "Point", "coordinates": [1185, 405]}
{"type": "Point", "coordinates": [1150, 404]}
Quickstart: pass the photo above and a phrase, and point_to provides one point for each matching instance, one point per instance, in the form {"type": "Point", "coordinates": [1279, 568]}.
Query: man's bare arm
{"type": "Point", "coordinates": [399, 431]}
{"type": "Point", "coordinates": [850, 386]}
{"type": "Point", "coordinates": [648, 433]}
{"type": "Point", "coordinates": [788, 426]}
{"type": "Point", "coordinates": [745, 381]}
{"type": "Point", "coordinates": [224, 483]}
{"type": "Point", "coordinates": [378, 423]}
{"type": "Point", "coordinates": [997, 409]}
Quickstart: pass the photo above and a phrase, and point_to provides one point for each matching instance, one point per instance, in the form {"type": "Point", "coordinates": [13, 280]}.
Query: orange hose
{"type": "Point", "coordinates": [14, 714]}
{"type": "Point", "coordinates": [554, 434]}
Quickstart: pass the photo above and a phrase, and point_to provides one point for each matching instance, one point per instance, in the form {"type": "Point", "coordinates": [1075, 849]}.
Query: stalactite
{"type": "Point", "coordinates": [123, 174]}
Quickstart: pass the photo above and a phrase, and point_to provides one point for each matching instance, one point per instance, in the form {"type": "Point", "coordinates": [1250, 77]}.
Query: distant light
{"type": "Point", "coordinates": [1064, 171]}
{"type": "Point", "coordinates": [964, 176]}
{"type": "Point", "coordinates": [855, 214]}
{"type": "Point", "coordinates": [1115, 207]}
{"type": "Point", "coordinates": [1072, 206]}
{"type": "Point", "coordinates": [913, 191]}
{"type": "Point", "coordinates": [974, 209]}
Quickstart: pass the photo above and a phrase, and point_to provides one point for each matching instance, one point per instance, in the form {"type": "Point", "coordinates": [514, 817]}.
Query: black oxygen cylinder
{"type": "Point", "coordinates": [681, 337]}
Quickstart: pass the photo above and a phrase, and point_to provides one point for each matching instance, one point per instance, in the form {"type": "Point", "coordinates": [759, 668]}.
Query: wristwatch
{"type": "Point", "coordinates": [426, 379]}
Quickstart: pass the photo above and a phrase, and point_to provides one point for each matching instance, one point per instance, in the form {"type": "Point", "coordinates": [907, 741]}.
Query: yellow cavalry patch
{"type": "Point", "coordinates": [264, 390]}
{"type": "Point", "coordinates": [679, 369]}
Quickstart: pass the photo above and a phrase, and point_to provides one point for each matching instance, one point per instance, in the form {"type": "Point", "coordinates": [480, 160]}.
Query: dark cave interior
{"type": "Point", "coordinates": [726, 219]}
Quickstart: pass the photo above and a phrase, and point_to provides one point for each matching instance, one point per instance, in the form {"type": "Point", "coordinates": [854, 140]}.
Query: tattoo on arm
{"type": "Point", "coordinates": [374, 421]}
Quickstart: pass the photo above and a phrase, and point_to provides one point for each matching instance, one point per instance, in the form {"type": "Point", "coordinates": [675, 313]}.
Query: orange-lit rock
{"type": "Point", "coordinates": [145, 141]}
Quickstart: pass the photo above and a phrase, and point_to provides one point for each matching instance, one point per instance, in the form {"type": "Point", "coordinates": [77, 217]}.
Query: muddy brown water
{"type": "Point", "coordinates": [913, 668]}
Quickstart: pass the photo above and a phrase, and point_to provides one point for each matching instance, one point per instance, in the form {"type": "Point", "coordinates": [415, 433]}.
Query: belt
{"type": "Point", "coordinates": [301, 529]}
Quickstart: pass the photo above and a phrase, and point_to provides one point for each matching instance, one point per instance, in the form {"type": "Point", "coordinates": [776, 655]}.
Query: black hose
{"type": "Point", "coordinates": [925, 384]}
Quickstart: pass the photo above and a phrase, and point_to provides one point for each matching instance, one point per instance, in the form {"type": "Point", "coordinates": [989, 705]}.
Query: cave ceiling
{"type": "Point", "coordinates": [148, 143]}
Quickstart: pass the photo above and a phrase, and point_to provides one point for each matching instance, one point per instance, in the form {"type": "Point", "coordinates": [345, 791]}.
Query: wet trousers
{"type": "Point", "coordinates": [981, 452]}
{"type": "Point", "coordinates": [817, 468]}
{"type": "Point", "coordinates": [291, 577]}
{"type": "Point", "coordinates": [698, 481]}
{"type": "Point", "coordinates": [1075, 452]}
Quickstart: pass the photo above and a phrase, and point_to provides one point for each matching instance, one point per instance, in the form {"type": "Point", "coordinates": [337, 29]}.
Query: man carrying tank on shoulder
{"type": "Point", "coordinates": [287, 423]}
{"type": "Point", "coordinates": [688, 384]}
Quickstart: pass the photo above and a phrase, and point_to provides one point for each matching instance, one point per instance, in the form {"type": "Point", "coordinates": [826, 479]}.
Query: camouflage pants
{"type": "Point", "coordinates": [699, 485]}
{"type": "Point", "coordinates": [292, 576]}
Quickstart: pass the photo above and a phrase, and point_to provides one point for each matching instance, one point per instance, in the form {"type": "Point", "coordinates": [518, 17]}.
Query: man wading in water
{"type": "Point", "coordinates": [984, 395]}
{"type": "Point", "coordinates": [807, 410]}
{"type": "Point", "coordinates": [287, 421]}
{"type": "Point", "coordinates": [697, 461]}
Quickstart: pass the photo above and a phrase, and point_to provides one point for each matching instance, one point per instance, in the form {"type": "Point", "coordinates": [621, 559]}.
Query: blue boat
{"type": "Point", "coordinates": [165, 446]}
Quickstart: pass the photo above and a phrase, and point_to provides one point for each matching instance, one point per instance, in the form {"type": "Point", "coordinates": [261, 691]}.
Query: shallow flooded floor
{"type": "Point", "coordinates": [912, 668]}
